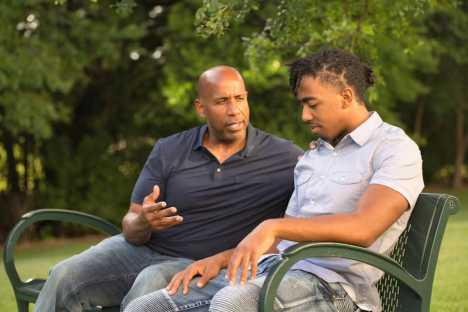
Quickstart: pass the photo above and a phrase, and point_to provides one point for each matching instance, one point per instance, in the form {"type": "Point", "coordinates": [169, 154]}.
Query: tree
{"type": "Point", "coordinates": [47, 51]}
{"type": "Point", "coordinates": [449, 97]}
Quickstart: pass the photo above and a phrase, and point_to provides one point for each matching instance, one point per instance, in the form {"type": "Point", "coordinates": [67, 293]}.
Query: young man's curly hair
{"type": "Point", "coordinates": [336, 67]}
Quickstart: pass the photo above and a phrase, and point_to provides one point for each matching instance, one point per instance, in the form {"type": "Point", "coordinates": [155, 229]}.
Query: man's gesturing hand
{"type": "Point", "coordinates": [261, 240]}
{"type": "Point", "coordinates": [156, 214]}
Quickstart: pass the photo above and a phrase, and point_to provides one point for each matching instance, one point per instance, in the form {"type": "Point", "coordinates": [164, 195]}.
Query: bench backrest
{"type": "Point", "coordinates": [417, 251]}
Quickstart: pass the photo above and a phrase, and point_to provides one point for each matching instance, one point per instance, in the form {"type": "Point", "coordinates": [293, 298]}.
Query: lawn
{"type": "Point", "coordinates": [449, 294]}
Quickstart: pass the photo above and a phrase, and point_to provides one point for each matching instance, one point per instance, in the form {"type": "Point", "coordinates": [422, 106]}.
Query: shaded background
{"type": "Point", "coordinates": [87, 87]}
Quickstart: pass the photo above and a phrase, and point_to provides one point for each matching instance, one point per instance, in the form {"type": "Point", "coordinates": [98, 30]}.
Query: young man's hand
{"type": "Point", "coordinates": [207, 269]}
{"type": "Point", "coordinates": [260, 241]}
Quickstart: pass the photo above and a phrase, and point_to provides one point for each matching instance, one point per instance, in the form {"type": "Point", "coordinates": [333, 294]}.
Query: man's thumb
{"type": "Point", "coordinates": [155, 193]}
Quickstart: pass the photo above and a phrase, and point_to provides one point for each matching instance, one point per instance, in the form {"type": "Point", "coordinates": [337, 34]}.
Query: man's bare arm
{"type": "Point", "coordinates": [378, 208]}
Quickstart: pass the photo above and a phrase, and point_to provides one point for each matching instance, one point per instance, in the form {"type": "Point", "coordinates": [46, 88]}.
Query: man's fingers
{"type": "Point", "coordinates": [188, 276]}
{"type": "Point", "coordinates": [170, 221]}
{"type": "Point", "coordinates": [166, 222]}
{"type": "Point", "coordinates": [167, 212]}
{"type": "Point", "coordinates": [154, 207]}
{"type": "Point", "coordinates": [206, 277]}
{"type": "Point", "coordinates": [253, 267]}
{"type": "Point", "coordinates": [232, 268]}
{"type": "Point", "coordinates": [175, 283]}
{"type": "Point", "coordinates": [245, 269]}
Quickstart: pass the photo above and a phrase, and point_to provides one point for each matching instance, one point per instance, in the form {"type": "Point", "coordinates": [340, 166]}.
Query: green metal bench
{"type": "Point", "coordinates": [409, 271]}
{"type": "Point", "coordinates": [406, 286]}
{"type": "Point", "coordinates": [27, 291]}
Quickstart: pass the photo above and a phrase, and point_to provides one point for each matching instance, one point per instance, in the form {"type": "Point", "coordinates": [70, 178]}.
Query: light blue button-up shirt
{"type": "Point", "coordinates": [330, 180]}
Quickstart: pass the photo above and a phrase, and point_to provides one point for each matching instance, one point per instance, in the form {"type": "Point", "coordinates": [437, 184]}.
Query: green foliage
{"type": "Point", "coordinates": [87, 87]}
{"type": "Point", "coordinates": [388, 35]}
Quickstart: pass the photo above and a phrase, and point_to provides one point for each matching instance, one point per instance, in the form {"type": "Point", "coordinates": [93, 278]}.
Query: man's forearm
{"type": "Point", "coordinates": [344, 228]}
{"type": "Point", "coordinates": [136, 229]}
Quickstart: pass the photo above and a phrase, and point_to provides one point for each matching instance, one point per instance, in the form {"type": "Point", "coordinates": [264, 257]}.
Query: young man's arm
{"type": "Point", "coordinates": [378, 208]}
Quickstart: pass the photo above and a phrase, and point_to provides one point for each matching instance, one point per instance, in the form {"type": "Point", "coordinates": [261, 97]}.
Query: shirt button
{"type": "Point", "coordinates": [218, 170]}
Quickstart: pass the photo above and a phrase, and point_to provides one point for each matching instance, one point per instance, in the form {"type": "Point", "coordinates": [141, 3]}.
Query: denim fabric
{"type": "Point", "coordinates": [111, 273]}
{"type": "Point", "coordinates": [298, 292]}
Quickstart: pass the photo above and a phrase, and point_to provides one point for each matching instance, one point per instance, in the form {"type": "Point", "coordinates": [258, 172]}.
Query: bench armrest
{"type": "Point", "coordinates": [310, 250]}
{"type": "Point", "coordinates": [29, 218]}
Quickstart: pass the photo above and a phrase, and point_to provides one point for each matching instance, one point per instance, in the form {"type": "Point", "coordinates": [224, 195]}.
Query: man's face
{"type": "Point", "coordinates": [323, 109]}
{"type": "Point", "coordinates": [225, 107]}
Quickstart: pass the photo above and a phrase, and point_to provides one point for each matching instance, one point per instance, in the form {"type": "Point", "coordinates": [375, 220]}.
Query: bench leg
{"type": "Point", "coordinates": [23, 306]}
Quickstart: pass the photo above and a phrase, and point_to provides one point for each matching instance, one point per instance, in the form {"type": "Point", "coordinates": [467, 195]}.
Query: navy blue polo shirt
{"type": "Point", "coordinates": [220, 203]}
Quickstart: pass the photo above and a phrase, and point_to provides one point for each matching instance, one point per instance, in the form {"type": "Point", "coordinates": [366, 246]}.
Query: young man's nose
{"type": "Point", "coordinates": [306, 114]}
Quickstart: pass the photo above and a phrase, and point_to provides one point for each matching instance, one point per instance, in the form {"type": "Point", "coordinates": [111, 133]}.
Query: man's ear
{"type": "Point", "coordinates": [348, 97]}
{"type": "Point", "coordinates": [199, 108]}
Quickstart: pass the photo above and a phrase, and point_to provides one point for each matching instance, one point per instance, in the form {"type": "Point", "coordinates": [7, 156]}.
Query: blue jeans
{"type": "Point", "coordinates": [299, 291]}
{"type": "Point", "coordinates": [112, 273]}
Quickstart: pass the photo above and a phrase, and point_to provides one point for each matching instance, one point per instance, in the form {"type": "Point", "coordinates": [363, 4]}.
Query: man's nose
{"type": "Point", "coordinates": [306, 114]}
{"type": "Point", "coordinates": [233, 107]}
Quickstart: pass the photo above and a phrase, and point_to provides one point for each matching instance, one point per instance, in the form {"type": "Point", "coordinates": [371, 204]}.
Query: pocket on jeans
{"type": "Point", "coordinates": [300, 291]}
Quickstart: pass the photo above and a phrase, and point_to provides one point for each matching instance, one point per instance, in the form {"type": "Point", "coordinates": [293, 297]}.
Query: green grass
{"type": "Point", "coordinates": [450, 285]}
{"type": "Point", "coordinates": [451, 280]}
{"type": "Point", "coordinates": [34, 260]}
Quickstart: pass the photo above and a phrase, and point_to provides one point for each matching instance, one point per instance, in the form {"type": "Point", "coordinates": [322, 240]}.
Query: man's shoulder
{"type": "Point", "coordinates": [180, 139]}
{"type": "Point", "coordinates": [176, 143]}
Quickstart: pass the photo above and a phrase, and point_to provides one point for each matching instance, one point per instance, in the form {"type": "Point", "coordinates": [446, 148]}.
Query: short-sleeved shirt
{"type": "Point", "coordinates": [220, 203]}
{"type": "Point", "coordinates": [330, 180]}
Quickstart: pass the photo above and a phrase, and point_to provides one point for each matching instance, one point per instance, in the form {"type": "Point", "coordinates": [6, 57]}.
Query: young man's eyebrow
{"type": "Point", "coordinates": [307, 99]}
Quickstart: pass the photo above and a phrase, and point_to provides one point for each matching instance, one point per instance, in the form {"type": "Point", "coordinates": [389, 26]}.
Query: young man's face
{"type": "Point", "coordinates": [226, 109]}
{"type": "Point", "coordinates": [323, 108]}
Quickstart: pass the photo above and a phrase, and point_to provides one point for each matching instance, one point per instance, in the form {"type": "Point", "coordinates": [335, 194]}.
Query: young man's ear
{"type": "Point", "coordinates": [348, 97]}
{"type": "Point", "coordinates": [199, 108]}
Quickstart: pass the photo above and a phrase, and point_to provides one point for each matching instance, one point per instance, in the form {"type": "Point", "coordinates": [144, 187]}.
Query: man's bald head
{"type": "Point", "coordinates": [214, 75]}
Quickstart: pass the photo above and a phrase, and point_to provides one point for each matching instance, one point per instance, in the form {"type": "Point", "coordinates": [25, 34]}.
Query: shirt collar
{"type": "Point", "coordinates": [199, 141]}
{"type": "Point", "coordinates": [249, 146]}
{"type": "Point", "coordinates": [361, 134]}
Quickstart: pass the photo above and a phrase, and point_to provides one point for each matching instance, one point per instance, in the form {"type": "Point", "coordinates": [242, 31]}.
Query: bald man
{"type": "Point", "coordinates": [200, 192]}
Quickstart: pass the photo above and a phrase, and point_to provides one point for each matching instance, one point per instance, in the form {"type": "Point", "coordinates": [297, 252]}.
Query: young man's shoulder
{"type": "Point", "coordinates": [393, 140]}
{"type": "Point", "coordinates": [388, 133]}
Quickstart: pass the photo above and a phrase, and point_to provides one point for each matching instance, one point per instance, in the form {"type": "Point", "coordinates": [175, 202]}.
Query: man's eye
{"type": "Point", "coordinates": [240, 99]}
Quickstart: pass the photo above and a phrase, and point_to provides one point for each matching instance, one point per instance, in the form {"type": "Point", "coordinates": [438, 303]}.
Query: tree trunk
{"type": "Point", "coordinates": [26, 163]}
{"type": "Point", "coordinates": [418, 120]}
{"type": "Point", "coordinates": [460, 148]}
{"type": "Point", "coordinates": [12, 176]}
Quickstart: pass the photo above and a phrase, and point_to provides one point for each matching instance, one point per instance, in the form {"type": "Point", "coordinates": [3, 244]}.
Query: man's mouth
{"type": "Point", "coordinates": [235, 126]}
